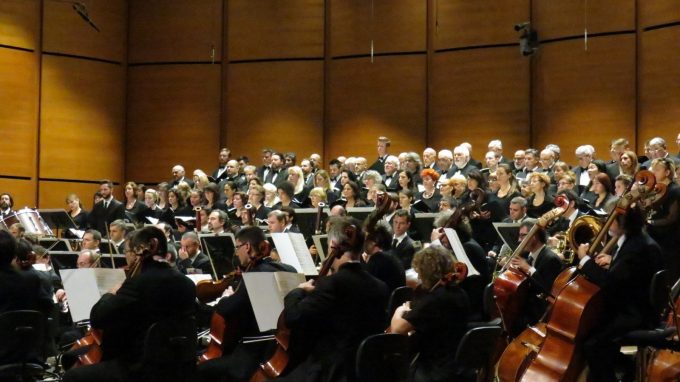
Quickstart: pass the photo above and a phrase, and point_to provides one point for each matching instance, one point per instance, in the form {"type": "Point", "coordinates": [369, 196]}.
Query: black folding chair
{"type": "Point", "coordinates": [170, 351]}
{"type": "Point", "coordinates": [383, 358]}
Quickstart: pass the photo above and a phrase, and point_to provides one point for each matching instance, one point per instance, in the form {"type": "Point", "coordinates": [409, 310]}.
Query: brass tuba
{"type": "Point", "coordinates": [583, 230]}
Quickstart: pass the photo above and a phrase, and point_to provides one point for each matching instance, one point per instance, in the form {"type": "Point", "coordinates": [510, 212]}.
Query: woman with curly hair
{"type": "Point", "coordinates": [430, 195]}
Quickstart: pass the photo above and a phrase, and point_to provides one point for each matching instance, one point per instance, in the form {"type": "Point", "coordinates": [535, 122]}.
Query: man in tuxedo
{"type": "Point", "coordinates": [263, 171]}
{"type": "Point", "coordinates": [570, 214]}
{"type": "Point", "coordinates": [378, 261]}
{"type": "Point", "coordinates": [117, 236]}
{"type": "Point", "coordinates": [277, 175]}
{"type": "Point", "coordinates": [360, 165]}
{"type": "Point", "coordinates": [220, 172]}
{"type": "Point", "coordinates": [430, 159]}
{"type": "Point", "coordinates": [383, 148]}
{"type": "Point", "coordinates": [542, 266]}
{"type": "Point", "coordinates": [308, 170]}
{"type": "Point", "coordinates": [348, 305]}
{"type": "Point", "coordinates": [240, 360]}
{"type": "Point", "coordinates": [497, 147]}
{"type": "Point", "coordinates": [585, 155]}
{"type": "Point", "coordinates": [334, 169]}
{"type": "Point", "coordinates": [191, 259]}
{"type": "Point", "coordinates": [617, 148]}
{"type": "Point", "coordinates": [444, 163]}
{"type": "Point", "coordinates": [472, 160]}
{"type": "Point", "coordinates": [461, 162]}
{"type": "Point", "coordinates": [107, 210]}
{"type": "Point", "coordinates": [531, 161]}
{"type": "Point", "coordinates": [391, 173]}
{"type": "Point", "coordinates": [658, 149]}
{"type": "Point", "coordinates": [402, 245]}
{"type": "Point", "coordinates": [233, 175]}
{"type": "Point", "coordinates": [624, 277]}
{"type": "Point", "coordinates": [125, 314]}
{"type": "Point", "coordinates": [517, 213]}
{"type": "Point", "coordinates": [518, 161]}
{"type": "Point", "coordinates": [547, 161]}
{"type": "Point", "coordinates": [216, 221]}
{"type": "Point", "coordinates": [178, 176]}
{"type": "Point", "coordinates": [6, 204]}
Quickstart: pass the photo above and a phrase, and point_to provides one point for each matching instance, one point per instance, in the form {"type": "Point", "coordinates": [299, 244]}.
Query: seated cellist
{"type": "Point", "coordinates": [438, 318]}
{"type": "Point", "coordinates": [625, 288]}
{"type": "Point", "coordinates": [542, 265]}
{"type": "Point", "coordinates": [240, 361]}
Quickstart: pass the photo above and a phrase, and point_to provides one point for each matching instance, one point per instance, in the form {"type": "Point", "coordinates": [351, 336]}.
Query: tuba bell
{"type": "Point", "coordinates": [583, 230]}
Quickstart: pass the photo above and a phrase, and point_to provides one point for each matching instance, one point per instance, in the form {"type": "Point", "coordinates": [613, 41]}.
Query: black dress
{"type": "Point", "coordinates": [536, 211]}
{"type": "Point", "coordinates": [432, 202]}
{"type": "Point", "coordinates": [440, 320]}
{"type": "Point", "coordinates": [80, 219]}
{"type": "Point", "coordinates": [664, 229]}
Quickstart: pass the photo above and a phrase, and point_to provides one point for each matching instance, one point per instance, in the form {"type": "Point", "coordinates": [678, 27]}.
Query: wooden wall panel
{"type": "Point", "coordinates": [82, 112]}
{"type": "Point", "coordinates": [659, 97]}
{"type": "Point", "coordinates": [18, 113]}
{"type": "Point", "coordinates": [53, 194]}
{"type": "Point", "coordinates": [174, 30]}
{"type": "Point", "coordinates": [658, 12]}
{"type": "Point", "coordinates": [65, 31]}
{"type": "Point", "coordinates": [275, 29]}
{"type": "Point", "coordinates": [568, 17]}
{"type": "Point", "coordinates": [479, 95]}
{"type": "Point", "coordinates": [23, 191]}
{"type": "Point", "coordinates": [367, 100]}
{"type": "Point", "coordinates": [173, 117]}
{"type": "Point", "coordinates": [277, 105]}
{"type": "Point", "coordinates": [481, 22]}
{"type": "Point", "coordinates": [19, 23]}
{"type": "Point", "coordinates": [584, 97]}
{"type": "Point", "coordinates": [396, 26]}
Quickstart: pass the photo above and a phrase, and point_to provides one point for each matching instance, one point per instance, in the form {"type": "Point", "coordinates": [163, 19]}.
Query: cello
{"type": "Point", "coordinates": [664, 364]}
{"type": "Point", "coordinates": [551, 350]}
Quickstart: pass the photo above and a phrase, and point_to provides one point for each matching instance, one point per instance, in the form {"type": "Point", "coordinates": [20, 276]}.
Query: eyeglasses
{"type": "Point", "coordinates": [240, 245]}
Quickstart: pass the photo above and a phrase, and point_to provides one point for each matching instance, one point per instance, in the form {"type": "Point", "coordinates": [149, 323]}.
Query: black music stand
{"type": "Point", "coordinates": [64, 260]}
{"type": "Point", "coordinates": [221, 249]}
{"type": "Point", "coordinates": [57, 219]}
{"type": "Point", "coordinates": [306, 220]}
{"type": "Point", "coordinates": [422, 224]}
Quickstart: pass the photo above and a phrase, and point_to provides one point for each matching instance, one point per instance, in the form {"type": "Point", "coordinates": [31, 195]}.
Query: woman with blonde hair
{"type": "Point", "coordinates": [540, 201]}
{"type": "Point", "coordinates": [297, 179]}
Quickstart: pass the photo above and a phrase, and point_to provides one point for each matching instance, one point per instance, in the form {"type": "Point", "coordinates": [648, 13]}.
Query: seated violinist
{"type": "Point", "coordinates": [125, 314]}
{"type": "Point", "coordinates": [437, 319]}
{"type": "Point", "coordinates": [542, 265]}
{"type": "Point", "coordinates": [341, 309]}
{"type": "Point", "coordinates": [625, 288]}
{"type": "Point", "coordinates": [239, 360]}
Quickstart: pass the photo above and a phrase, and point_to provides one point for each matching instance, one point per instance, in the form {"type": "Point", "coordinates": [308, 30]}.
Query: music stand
{"type": "Point", "coordinates": [57, 219]}
{"type": "Point", "coordinates": [119, 260]}
{"type": "Point", "coordinates": [423, 224]}
{"type": "Point", "coordinates": [359, 213]}
{"type": "Point", "coordinates": [509, 233]}
{"type": "Point", "coordinates": [321, 243]}
{"type": "Point", "coordinates": [64, 260]}
{"type": "Point", "coordinates": [306, 220]}
{"type": "Point", "coordinates": [221, 249]}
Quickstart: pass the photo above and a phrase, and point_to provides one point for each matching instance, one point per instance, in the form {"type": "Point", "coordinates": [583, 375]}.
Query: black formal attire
{"type": "Point", "coordinates": [335, 305]}
{"type": "Point", "coordinates": [524, 173]}
{"type": "Point", "coordinates": [278, 205]}
{"type": "Point", "coordinates": [168, 215]}
{"type": "Point", "coordinates": [200, 262]}
{"type": "Point", "coordinates": [388, 269]}
{"type": "Point", "coordinates": [101, 217]}
{"type": "Point", "coordinates": [239, 360]}
{"type": "Point", "coordinates": [80, 219]}
{"type": "Point", "coordinates": [379, 164]}
{"type": "Point", "coordinates": [155, 213]}
{"type": "Point", "coordinates": [262, 212]}
{"type": "Point", "coordinates": [562, 224]}
{"type": "Point", "coordinates": [475, 163]}
{"type": "Point", "coordinates": [578, 171]}
{"type": "Point", "coordinates": [469, 166]}
{"type": "Point", "coordinates": [440, 320]}
{"type": "Point", "coordinates": [277, 177]}
{"type": "Point", "coordinates": [504, 202]}
{"type": "Point", "coordinates": [263, 172]}
{"type": "Point", "coordinates": [391, 182]}
{"type": "Point", "coordinates": [548, 266]}
{"type": "Point", "coordinates": [239, 181]}
{"type": "Point", "coordinates": [136, 213]}
{"type": "Point", "coordinates": [536, 211]}
{"type": "Point", "coordinates": [126, 316]}
{"type": "Point", "coordinates": [665, 230]}
{"type": "Point", "coordinates": [220, 174]}
{"type": "Point", "coordinates": [613, 170]}
{"type": "Point", "coordinates": [403, 251]}
{"type": "Point", "coordinates": [175, 182]}
{"type": "Point", "coordinates": [483, 230]}
{"type": "Point", "coordinates": [474, 285]}
{"type": "Point", "coordinates": [625, 289]}
{"type": "Point", "coordinates": [431, 202]}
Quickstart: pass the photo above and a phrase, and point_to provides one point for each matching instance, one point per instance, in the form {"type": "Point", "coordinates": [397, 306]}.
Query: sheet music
{"type": "Point", "coordinates": [266, 295]}
{"type": "Point", "coordinates": [77, 232]}
{"type": "Point", "coordinates": [293, 251]}
{"type": "Point", "coordinates": [199, 277]}
{"type": "Point", "coordinates": [287, 281]}
{"type": "Point", "coordinates": [459, 251]}
{"type": "Point", "coordinates": [152, 220]}
{"type": "Point", "coordinates": [85, 286]}
{"type": "Point", "coordinates": [185, 218]}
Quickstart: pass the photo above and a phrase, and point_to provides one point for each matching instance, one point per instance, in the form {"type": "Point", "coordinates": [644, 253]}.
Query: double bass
{"type": "Point", "coordinates": [551, 350]}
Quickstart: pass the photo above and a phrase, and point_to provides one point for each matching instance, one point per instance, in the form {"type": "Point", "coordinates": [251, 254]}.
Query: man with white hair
{"type": "Point", "coordinates": [518, 161]}
{"type": "Point", "coordinates": [461, 162]}
{"type": "Point", "coordinates": [497, 147]}
{"type": "Point", "coordinates": [585, 155]}
{"type": "Point", "coordinates": [391, 176]}
{"type": "Point", "coordinates": [472, 160]}
{"type": "Point", "coordinates": [402, 160]}
{"type": "Point", "coordinates": [555, 149]}
{"type": "Point", "coordinates": [350, 163]}
{"type": "Point", "coordinates": [178, 176]}
{"type": "Point", "coordinates": [430, 159]}
{"type": "Point", "coordinates": [445, 163]}
{"type": "Point", "coordinates": [547, 162]}
{"type": "Point", "coordinates": [658, 149]}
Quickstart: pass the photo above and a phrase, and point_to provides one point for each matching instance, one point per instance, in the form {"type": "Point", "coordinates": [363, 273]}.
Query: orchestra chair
{"type": "Point", "coordinates": [170, 351]}
{"type": "Point", "coordinates": [397, 298]}
{"type": "Point", "coordinates": [659, 294]}
{"type": "Point", "coordinates": [383, 357]}
{"type": "Point", "coordinates": [23, 334]}
{"type": "Point", "coordinates": [474, 351]}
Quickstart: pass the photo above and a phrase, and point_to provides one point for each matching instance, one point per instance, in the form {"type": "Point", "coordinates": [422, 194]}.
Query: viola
{"type": "Point", "coordinates": [93, 339]}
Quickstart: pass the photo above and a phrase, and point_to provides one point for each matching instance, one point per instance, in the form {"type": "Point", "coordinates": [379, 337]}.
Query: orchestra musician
{"type": "Point", "coordinates": [240, 361]}
{"type": "Point", "coordinates": [379, 262]}
{"type": "Point", "coordinates": [341, 309]}
{"type": "Point", "coordinates": [438, 319]}
{"type": "Point", "coordinates": [191, 259]}
{"type": "Point", "coordinates": [126, 312]}
{"type": "Point", "coordinates": [624, 277]}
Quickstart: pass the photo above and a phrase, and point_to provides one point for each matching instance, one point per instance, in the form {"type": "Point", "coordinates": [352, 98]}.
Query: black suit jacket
{"type": "Point", "coordinates": [548, 266]}
{"type": "Point", "coordinates": [404, 252]}
{"type": "Point", "coordinates": [159, 292]}
{"type": "Point", "coordinates": [186, 180]}
{"type": "Point", "coordinates": [469, 166]}
{"type": "Point", "coordinates": [388, 269]}
{"type": "Point", "coordinates": [201, 262]}
{"type": "Point", "coordinates": [349, 305]}
{"type": "Point", "coordinates": [101, 217]}
{"type": "Point", "coordinates": [221, 177]}
{"type": "Point", "coordinates": [625, 285]}
{"type": "Point", "coordinates": [393, 184]}
{"type": "Point", "coordinates": [379, 165]}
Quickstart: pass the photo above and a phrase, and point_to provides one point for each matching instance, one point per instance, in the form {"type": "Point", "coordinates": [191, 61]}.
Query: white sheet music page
{"type": "Point", "coordinates": [459, 251]}
{"type": "Point", "coordinates": [303, 254]}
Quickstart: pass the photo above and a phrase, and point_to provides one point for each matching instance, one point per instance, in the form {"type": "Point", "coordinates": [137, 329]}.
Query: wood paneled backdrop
{"type": "Point", "coordinates": [172, 81]}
